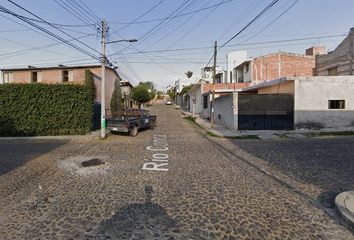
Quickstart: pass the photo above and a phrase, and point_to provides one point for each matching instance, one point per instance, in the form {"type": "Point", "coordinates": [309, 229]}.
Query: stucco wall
{"type": "Point", "coordinates": [224, 111]}
{"type": "Point", "coordinates": [311, 102]}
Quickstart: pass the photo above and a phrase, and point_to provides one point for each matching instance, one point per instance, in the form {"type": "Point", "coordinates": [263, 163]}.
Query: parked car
{"type": "Point", "coordinates": [131, 121]}
{"type": "Point", "coordinates": [168, 102]}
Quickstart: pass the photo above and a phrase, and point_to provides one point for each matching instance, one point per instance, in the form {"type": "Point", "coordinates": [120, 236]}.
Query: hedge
{"type": "Point", "coordinates": [45, 109]}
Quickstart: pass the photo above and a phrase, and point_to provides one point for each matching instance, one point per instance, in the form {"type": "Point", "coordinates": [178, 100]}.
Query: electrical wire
{"type": "Point", "coordinates": [51, 33]}
{"type": "Point", "coordinates": [17, 5]}
{"type": "Point", "coordinates": [176, 16]}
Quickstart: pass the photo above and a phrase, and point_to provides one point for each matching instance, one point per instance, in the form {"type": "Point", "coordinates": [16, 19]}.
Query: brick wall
{"type": "Point", "coordinates": [280, 65]}
{"type": "Point", "coordinates": [219, 86]}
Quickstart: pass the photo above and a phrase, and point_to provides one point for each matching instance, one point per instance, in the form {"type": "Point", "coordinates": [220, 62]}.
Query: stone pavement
{"type": "Point", "coordinates": [207, 192]}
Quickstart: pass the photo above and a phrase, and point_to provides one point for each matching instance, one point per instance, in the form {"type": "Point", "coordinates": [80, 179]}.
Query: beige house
{"type": "Point", "coordinates": [62, 74]}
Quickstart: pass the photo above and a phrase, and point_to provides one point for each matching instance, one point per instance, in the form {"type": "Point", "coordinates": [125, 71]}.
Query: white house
{"type": "Point", "coordinates": [233, 59]}
{"type": "Point", "coordinates": [287, 103]}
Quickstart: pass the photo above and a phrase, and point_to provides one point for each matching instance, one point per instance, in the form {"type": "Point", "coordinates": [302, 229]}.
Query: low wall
{"type": "Point", "coordinates": [224, 111]}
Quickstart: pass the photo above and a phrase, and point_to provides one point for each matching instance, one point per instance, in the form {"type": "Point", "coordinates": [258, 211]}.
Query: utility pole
{"type": "Point", "coordinates": [103, 79]}
{"type": "Point", "coordinates": [213, 89]}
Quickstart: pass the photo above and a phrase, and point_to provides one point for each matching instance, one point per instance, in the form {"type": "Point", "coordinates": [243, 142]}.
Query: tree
{"type": "Point", "coordinates": [172, 92]}
{"type": "Point", "coordinates": [116, 100]}
{"type": "Point", "coordinates": [149, 86]}
{"type": "Point", "coordinates": [186, 89]}
{"type": "Point", "coordinates": [159, 95]}
{"type": "Point", "coordinates": [189, 74]}
{"type": "Point", "coordinates": [141, 94]}
{"type": "Point", "coordinates": [90, 83]}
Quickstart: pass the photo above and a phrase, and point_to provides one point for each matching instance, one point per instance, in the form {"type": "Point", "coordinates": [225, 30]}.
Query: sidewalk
{"type": "Point", "coordinates": [221, 131]}
{"type": "Point", "coordinates": [89, 136]}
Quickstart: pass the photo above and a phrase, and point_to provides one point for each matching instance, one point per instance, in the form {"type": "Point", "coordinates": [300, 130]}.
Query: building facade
{"type": "Point", "coordinates": [338, 62]}
{"type": "Point", "coordinates": [62, 74]}
{"type": "Point", "coordinates": [277, 65]}
{"type": "Point", "coordinates": [233, 59]}
{"type": "Point", "coordinates": [319, 101]}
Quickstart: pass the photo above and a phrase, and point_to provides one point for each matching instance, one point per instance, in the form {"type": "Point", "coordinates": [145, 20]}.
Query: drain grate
{"type": "Point", "coordinates": [92, 162]}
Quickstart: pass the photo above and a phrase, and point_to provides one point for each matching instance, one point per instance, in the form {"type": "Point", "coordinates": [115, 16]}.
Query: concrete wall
{"type": "Point", "coordinates": [340, 58]}
{"type": "Point", "coordinates": [224, 111]}
{"type": "Point", "coordinates": [233, 59]}
{"type": "Point", "coordinates": [311, 102]}
{"type": "Point", "coordinates": [196, 92]}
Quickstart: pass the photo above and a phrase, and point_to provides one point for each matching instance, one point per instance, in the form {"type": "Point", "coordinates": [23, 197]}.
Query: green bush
{"type": "Point", "coordinates": [45, 109]}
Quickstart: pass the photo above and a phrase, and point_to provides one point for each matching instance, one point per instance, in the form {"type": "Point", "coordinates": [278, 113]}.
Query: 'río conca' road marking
{"type": "Point", "coordinates": [159, 161]}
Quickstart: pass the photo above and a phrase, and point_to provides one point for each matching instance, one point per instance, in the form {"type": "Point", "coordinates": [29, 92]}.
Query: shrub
{"type": "Point", "coordinates": [45, 109]}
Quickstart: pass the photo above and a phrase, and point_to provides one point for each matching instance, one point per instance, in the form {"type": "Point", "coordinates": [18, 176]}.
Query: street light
{"type": "Point", "coordinates": [123, 40]}
{"type": "Point", "coordinates": [103, 75]}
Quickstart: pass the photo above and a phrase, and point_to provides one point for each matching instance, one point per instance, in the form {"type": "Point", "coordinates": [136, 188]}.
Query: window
{"type": "Point", "coordinates": [36, 77]}
{"type": "Point", "coordinates": [67, 76]}
{"type": "Point", "coordinates": [230, 77]}
{"type": "Point", "coordinates": [333, 71]}
{"type": "Point", "coordinates": [247, 67]}
{"type": "Point", "coordinates": [7, 78]}
{"type": "Point", "coordinates": [205, 101]}
{"type": "Point", "coordinates": [336, 104]}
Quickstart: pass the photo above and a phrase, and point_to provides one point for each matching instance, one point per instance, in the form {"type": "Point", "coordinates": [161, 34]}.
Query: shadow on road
{"type": "Point", "coordinates": [140, 221]}
{"type": "Point", "coordinates": [327, 164]}
{"type": "Point", "coordinates": [15, 153]}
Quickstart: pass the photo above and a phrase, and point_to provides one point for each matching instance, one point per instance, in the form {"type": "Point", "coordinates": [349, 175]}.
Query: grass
{"type": "Point", "coordinates": [190, 118]}
{"type": "Point", "coordinates": [320, 134]}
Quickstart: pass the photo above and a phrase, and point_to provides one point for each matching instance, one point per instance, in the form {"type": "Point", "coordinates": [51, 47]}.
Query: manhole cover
{"type": "Point", "coordinates": [92, 162]}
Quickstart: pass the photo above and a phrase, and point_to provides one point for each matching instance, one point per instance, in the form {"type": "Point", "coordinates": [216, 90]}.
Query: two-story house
{"type": "Point", "coordinates": [62, 74]}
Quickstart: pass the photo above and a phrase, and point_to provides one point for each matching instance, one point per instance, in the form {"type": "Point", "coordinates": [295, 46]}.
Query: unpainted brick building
{"type": "Point", "coordinates": [278, 65]}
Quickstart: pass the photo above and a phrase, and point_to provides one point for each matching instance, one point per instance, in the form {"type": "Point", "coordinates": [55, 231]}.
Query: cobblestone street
{"type": "Point", "coordinates": [208, 191]}
{"type": "Point", "coordinates": [319, 167]}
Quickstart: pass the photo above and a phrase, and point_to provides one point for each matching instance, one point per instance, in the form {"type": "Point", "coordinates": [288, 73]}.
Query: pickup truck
{"type": "Point", "coordinates": [131, 121]}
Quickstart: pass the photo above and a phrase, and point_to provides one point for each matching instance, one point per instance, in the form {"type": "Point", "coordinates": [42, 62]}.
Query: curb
{"type": "Point", "coordinates": [344, 207]}
{"type": "Point", "coordinates": [63, 137]}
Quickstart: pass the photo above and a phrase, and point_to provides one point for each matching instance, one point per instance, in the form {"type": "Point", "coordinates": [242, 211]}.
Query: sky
{"type": "Point", "coordinates": [174, 36]}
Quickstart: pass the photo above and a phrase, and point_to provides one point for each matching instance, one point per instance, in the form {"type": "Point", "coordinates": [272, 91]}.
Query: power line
{"type": "Point", "coordinates": [84, 11]}
{"type": "Point", "coordinates": [269, 6]}
{"type": "Point", "coordinates": [74, 13]}
{"type": "Point", "coordinates": [176, 16]}
{"type": "Point", "coordinates": [141, 16]}
{"type": "Point", "coordinates": [88, 9]}
{"type": "Point", "coordinates": [237, 45]}
{"type": "Point", "coordinates": [52, 26]}
{"type": "Point", "coordinates": [56, 24]}
{"type": "Point", "coordinates": [16, 53]}
{"type": "Point", "coordinates": [276, 19]}
{"type": "Point", "coordinates": [50, 33]}
{"type": "Point", "coordinates": [151, 31]}
{"type": "Point", "coordinates": [173, 30]}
